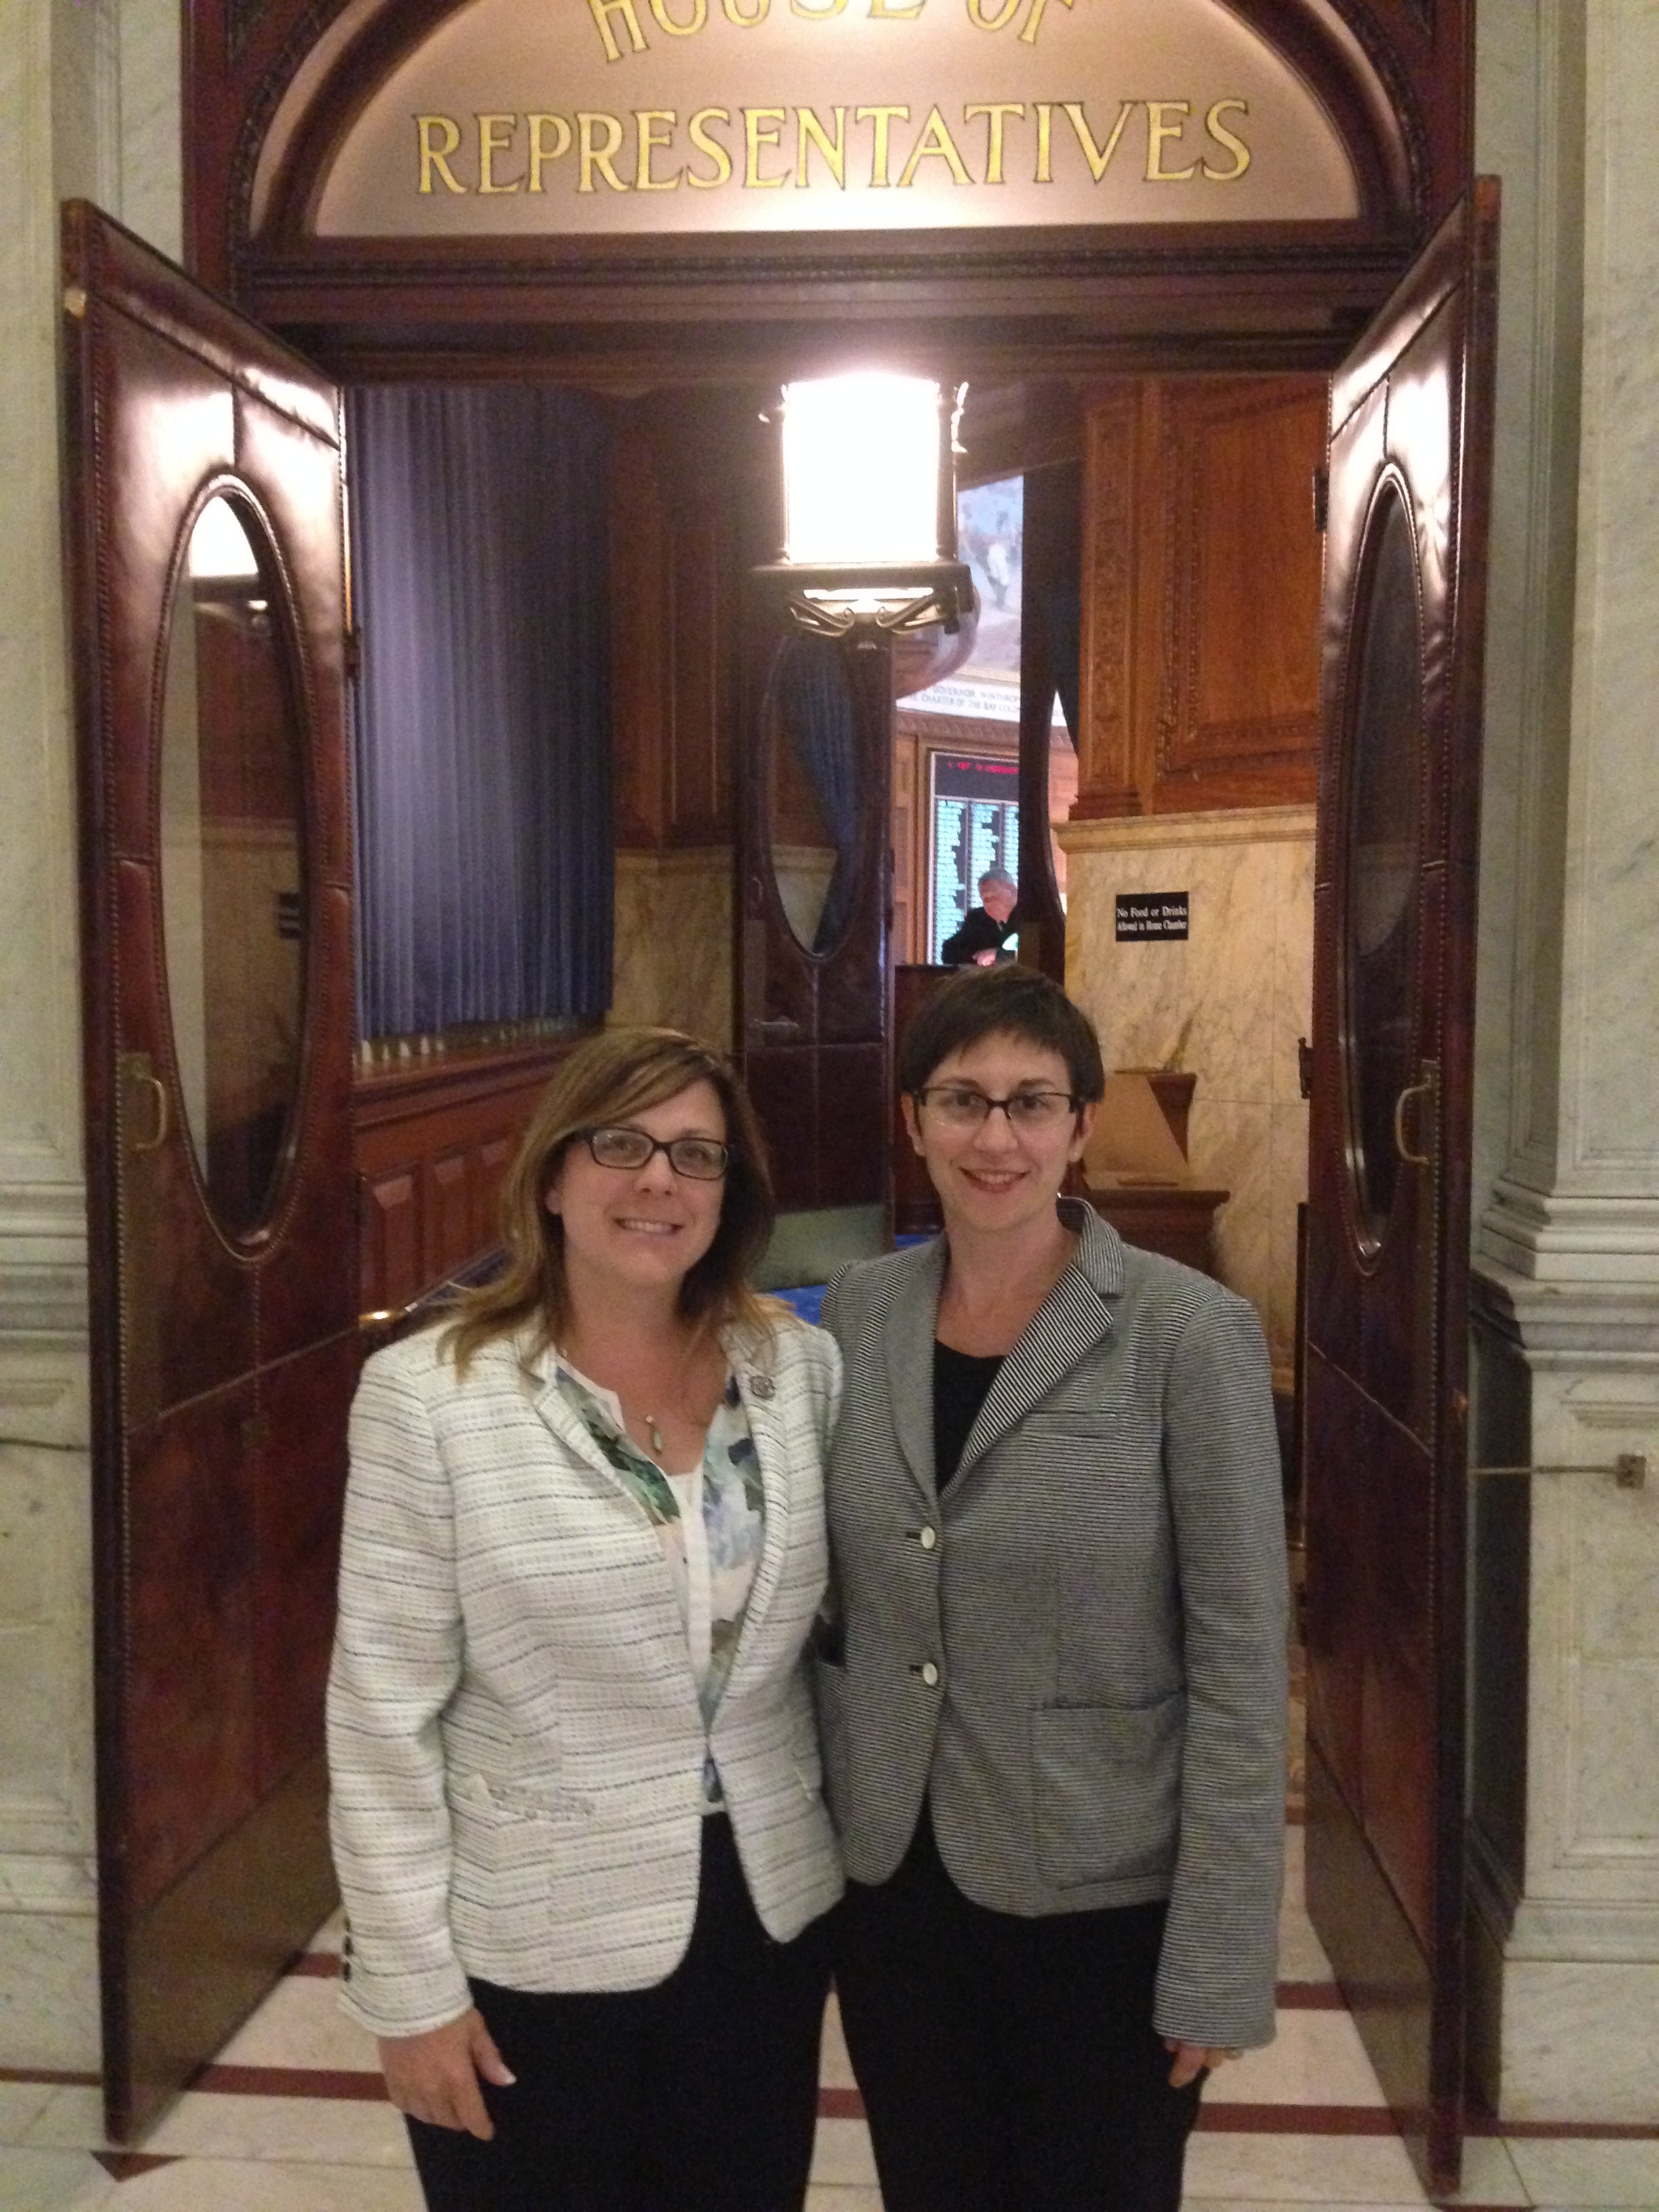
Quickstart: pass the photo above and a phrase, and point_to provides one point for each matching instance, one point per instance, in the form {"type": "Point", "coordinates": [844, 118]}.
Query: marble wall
{"type": "Point", "coordinates": [88, 105]}
{"type": "Point", "coordinates": [1565, 1889]}
{"type": "Point", "coordinates": [672, 962]}
{"type": "Point", "coordinates": [1228, 1004]}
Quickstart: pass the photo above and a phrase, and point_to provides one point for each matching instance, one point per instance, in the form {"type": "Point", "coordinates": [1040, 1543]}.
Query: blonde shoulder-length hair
{"type": "Point", "coordinates": [609, 1079]}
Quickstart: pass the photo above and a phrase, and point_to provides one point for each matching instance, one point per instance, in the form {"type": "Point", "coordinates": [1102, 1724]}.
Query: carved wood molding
{"type": "Point", "coordinates": [1107, 781]}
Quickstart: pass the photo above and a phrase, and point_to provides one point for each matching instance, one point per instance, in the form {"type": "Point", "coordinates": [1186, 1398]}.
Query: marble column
{"type": "Point", "coordinates": [70, 75]}
{"type": "Point", "coordinates": [1564, 1825]}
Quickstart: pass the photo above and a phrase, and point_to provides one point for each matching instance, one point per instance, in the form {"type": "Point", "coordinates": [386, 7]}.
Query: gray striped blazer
{"type": "Point", "coordinates": [1079, 1654]}
{"type": "Point", "coordinates": [515, 1745]}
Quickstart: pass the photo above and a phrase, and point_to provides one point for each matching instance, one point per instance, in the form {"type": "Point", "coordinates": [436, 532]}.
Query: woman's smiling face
{"type": "Point", "coordinates": [994, 1177]}
{"type": "Point", "coordinates": [644, 1228]}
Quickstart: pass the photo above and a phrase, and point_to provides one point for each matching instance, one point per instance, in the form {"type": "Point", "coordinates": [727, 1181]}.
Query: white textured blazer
{"type": "Point", "coordinates": [515, 1744]}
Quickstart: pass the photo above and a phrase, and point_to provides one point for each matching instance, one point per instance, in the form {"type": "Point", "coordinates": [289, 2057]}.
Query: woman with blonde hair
{"type": "Point", "coordinates": [576, 1809]}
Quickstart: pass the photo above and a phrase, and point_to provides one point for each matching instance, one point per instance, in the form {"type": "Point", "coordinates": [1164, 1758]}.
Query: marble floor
{"type": "Point", "coordinates": [290, 2119]}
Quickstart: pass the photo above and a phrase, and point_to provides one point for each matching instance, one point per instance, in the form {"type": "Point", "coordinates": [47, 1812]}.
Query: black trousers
{"type": "Point", "coordinates": [699, 2095]}
{"type": "Point", "coordinates": [1007, 2065]}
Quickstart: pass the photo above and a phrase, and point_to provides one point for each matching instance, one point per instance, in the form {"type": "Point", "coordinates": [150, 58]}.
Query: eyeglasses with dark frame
{"type": "Point", "coordinates": [959, 1106]}
{"type": "Point", "coordinates": [699, 1159]}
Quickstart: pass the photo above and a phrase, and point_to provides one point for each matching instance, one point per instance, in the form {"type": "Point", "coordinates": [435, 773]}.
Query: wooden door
{"type": "Point", "coordinates": [813, 972]}
{"type": "Point", "coordinates": [205, 511]}
{"type": "Point", "coordinates": [1387, 1262]}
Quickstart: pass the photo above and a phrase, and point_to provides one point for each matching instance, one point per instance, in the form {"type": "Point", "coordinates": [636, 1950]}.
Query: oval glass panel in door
{"type": "Point", "coordinates": [232, 863]}
{"type": "Point", "coordinates": [1385, 752]}
{"type": "Point", "coordinates": [816, 790]}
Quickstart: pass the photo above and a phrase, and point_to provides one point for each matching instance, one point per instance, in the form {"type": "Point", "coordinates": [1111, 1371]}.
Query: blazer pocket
{"type": "Point", "coordinates": [504, 1824]}
{"type": "Point", "coordinates": [1106, 1789]}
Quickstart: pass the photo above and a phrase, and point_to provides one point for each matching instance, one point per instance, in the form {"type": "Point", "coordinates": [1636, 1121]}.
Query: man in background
{"type": "Point", "coordinates": [987, 934]}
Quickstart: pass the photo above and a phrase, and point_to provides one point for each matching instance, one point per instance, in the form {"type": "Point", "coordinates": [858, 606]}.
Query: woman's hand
{"type": "Point", "coordinates": [1192, 2059]}
{"type": "Point", "coordinates": [435, 2076]}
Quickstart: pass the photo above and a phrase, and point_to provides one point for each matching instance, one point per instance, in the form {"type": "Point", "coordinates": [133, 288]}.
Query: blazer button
{"type": "Point", "coordinates": [929, 1674]}
{"type": "Point", "coordinates": [762, 1387]}
{"type": "Point", "coordinates": [928, 1538]}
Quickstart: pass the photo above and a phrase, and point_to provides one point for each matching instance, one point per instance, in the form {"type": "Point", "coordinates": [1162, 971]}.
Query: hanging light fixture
{"type": "Point", "coordinates": [870, 506]}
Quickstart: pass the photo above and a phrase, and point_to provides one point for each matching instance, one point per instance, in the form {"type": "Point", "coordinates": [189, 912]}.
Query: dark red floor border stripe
{"type": "Point", "coordinates": [1225, 2119]}
{"type": "Point", "coordinates": [358, 2088]}
{"type": "Point", "coordinates": [1483, 2123]}
{"type": "Point", "coordinates": [51, 2077]}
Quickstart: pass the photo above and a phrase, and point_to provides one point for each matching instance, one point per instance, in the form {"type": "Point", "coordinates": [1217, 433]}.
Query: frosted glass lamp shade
{"type": "Point", "coordinates": [860, 470]}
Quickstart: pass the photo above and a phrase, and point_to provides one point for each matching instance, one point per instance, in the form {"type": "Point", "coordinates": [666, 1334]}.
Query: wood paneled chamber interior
{"type": "Point", "coordinates": [1199, 677]}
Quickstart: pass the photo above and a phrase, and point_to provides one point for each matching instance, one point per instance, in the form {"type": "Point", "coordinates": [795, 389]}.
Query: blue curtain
{"type": "Point", "coordinates": [819, 719]}
{"type": "Point", "coordinates": [482, 804]}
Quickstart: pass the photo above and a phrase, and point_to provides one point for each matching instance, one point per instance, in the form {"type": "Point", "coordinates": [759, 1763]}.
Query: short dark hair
{"type": "Point", "coordinates": [1007, 1001]}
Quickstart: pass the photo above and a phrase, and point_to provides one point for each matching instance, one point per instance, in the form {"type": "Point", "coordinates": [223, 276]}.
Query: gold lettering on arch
{"type": "Point", "coordinates": [769, 134]}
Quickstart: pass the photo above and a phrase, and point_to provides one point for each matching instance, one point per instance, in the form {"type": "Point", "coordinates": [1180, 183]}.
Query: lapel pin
{"type": "Point", "coordinates": [762, 1386]}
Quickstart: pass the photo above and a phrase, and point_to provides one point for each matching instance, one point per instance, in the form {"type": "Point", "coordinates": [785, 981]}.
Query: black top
{"type": "Point", "coordinates": [962, 1383]}
{"type": "Point", "coordinates": [979, 932]}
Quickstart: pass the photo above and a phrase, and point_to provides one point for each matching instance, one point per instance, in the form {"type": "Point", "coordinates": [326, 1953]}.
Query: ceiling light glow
{"type": "Point", "coordinates": [860, 468]}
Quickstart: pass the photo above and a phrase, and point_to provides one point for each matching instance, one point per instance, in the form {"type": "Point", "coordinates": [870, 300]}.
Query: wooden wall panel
{"type": "Point", "coordinates": [432, 1145]}
{"type": "Point", "coordinates": [677, 579]}
{"type": "Point", "coordinates": [1201, 577]}
{"type": "Point", "coordinates": [641, 664]}
{"type": "Point", "coordinates": [390, 1232]}
{"type": "Point", "coordinates": [448, 1209]}
{"type": "Point", "coordinates": [1241, 675]}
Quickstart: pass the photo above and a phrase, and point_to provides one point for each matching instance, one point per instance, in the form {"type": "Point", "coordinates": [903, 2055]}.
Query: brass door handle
{"type": "Point", "coordinates": [135, 1069]}
{"type": "Point", "coordinates": [1423, 1090]}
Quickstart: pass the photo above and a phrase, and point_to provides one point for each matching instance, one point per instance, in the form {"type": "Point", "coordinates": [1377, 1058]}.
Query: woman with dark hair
{"type": "Point", "coordinates": [575, 1806]}
{"type": "Point", "coordinates": [1051, 1681]}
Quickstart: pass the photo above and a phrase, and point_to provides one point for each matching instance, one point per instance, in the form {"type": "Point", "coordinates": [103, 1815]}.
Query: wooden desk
{"type": "Point", "coordinates": [1177, 1219]}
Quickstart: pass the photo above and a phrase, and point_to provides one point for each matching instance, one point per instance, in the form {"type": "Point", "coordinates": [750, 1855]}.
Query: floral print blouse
{"type": "Point", "coordinates": [710, 1523]}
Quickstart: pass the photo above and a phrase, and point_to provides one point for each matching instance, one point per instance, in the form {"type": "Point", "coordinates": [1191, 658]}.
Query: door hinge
{"type": "Point", "coordinates": [1304, 1067]}
{"type": "Point", "coordinates": [1321, 499]}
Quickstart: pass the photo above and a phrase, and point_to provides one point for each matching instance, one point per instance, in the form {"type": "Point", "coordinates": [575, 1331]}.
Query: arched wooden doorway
{"type": "Point", "coordinates": [276, 91]}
